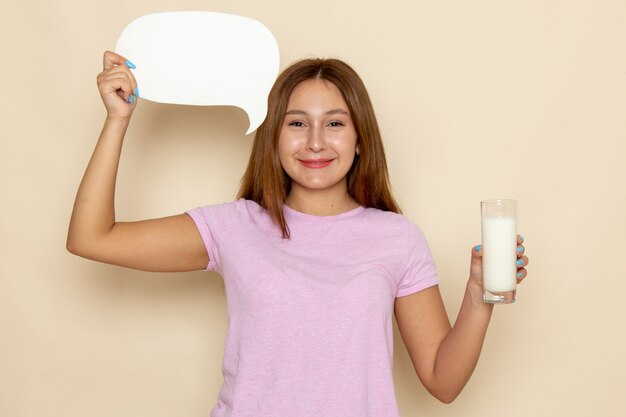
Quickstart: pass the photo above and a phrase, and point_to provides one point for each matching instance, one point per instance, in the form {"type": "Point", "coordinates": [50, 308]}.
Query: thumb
{"type": "Point", "coordinates": [476, 265]}
{"type": "Point", "coordinates": [110, 59]}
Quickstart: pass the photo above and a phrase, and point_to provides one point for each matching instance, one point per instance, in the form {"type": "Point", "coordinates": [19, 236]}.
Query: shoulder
{"type": "Point", "coordinates": [390, 219]}
{"type": "Point", "coordinates": [232, 217]}
{"type": "Point", "coordinates": [393, 228]}
{"type": "Point", "coordinates": [237, 207]}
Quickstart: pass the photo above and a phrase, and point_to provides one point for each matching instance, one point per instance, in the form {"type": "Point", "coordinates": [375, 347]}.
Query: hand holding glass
{"type": "Point", "coordinates": [499, 242]}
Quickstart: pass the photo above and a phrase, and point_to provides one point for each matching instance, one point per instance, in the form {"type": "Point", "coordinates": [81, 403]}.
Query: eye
{"type": "Point", "coordinates": [335, 123]}
{"type": "Point", "coordinates": [296, 123]}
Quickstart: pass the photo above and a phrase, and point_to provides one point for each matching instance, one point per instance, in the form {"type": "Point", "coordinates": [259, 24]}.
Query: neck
{"type": "Point", "coordinates": [320, 203]}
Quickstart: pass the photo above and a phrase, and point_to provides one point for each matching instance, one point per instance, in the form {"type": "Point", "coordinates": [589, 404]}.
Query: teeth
{"type": "Point", "coordinates": [316, 162]}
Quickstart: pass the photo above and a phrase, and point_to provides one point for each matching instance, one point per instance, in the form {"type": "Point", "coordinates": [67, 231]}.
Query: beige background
{"type": "Point", "coordinates": [476, 100]}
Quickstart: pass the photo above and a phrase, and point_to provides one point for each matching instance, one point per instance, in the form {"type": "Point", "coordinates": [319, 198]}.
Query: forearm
{"type": "Point", "coordinates": [459, 351]}
{"type": "Point", "coordinates": [94, 211]}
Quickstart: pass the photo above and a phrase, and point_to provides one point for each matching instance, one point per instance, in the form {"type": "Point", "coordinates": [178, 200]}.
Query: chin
{"type": "Point", "coordinates": [317, 185]}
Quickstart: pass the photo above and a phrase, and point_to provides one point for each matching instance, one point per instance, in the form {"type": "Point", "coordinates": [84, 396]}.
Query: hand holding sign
{"type": "Point", "coordinates": [203, 59]}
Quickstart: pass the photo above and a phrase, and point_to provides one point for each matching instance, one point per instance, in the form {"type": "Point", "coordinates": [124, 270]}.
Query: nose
{"type": "Point", "coordinates": [315, 140]}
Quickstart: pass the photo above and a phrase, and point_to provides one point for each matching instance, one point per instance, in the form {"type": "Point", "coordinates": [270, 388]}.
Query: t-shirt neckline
{"type": "Point", "coordinates": [295, 214]}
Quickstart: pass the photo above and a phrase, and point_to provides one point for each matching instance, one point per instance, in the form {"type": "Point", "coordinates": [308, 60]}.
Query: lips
{"type": "Point", "coordinates": [316, 163]}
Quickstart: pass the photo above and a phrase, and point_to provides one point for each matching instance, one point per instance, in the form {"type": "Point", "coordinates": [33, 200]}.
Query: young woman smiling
{"type": "Point", "coordinates": [315, 255]}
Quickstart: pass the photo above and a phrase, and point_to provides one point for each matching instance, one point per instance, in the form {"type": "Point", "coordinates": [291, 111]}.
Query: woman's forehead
{"type": "Point", "coordinates": [316, 94]}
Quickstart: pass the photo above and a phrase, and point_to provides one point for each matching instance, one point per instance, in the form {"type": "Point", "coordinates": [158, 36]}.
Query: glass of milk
{"type": "Point", "coordinates": [499, 242]}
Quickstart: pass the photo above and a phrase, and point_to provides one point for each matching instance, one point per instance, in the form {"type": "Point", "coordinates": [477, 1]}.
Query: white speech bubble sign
{"type": "Point", "coordinates": [203, 59]}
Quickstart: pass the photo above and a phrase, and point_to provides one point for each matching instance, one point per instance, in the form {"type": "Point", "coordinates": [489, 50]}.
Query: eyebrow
{"type": "Point", "coordinates": [333, 111]}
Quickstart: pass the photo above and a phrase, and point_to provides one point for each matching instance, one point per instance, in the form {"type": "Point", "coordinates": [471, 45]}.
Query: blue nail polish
{"type": "Point", "coordinates": [131, 100]}
{"type": "Point", "coordinates": [521, 238]}
{"type": "Point", "coordinates": [520, 249]}
{"type": "Point", "coordinates": [130, 64]}
{"type": "Point", "coordinates": [478, 248]}
{"type": "Point", "coordinates": [519, 274]}
{"type": "Point", "coordinates": [520, 262]}
{"type": "Point", "coordinates": [137, 91]}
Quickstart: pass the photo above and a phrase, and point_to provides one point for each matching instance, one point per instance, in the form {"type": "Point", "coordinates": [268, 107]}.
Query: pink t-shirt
{"type": "Point", "coordinates": [310, 318]}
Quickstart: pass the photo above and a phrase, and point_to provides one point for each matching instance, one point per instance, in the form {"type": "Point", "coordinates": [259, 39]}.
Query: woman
{"type": "Point", "coordinates": [315, 255]}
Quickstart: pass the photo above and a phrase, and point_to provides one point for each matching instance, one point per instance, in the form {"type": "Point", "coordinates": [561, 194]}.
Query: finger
{"type": "Point", "coordinates": [111, 59]}
{"type": "Point", "coordinates": [522, 262]}
{"type": "Point", "coordinates": [477, 256]}
{"type": "Point", "coordinates": [114, 79]}
{"type": "Point", "coordinates": [119, 83]}
{"type": "Point", "coordinates": [116, 69]}
{"type": "Point", "coordinates": [476, 263]}
{"type": "Point", "coordinates": [133, 83]}
{"type": "Point", "coordinates": [127, 75]}
{"type": "Point", "coordinates": [114, 64]}
{"type": "Point", "coordinates": [131, 77]}
{"type": "Point", "coordinates": [119, 69]}
{"type": "Point", "coordinates": [520, 239]}
{"type": "Point", "coordinates": [520, 250]}
{"type": "Point", "coordinates": [521, 274]}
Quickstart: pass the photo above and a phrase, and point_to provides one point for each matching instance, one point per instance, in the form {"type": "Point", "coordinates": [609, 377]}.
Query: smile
{"type": "Point", "coordinates": [316, 163]}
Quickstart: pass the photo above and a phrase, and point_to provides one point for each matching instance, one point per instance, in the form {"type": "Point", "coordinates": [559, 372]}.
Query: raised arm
{"type": "Point", "coordinates": [165, 244]}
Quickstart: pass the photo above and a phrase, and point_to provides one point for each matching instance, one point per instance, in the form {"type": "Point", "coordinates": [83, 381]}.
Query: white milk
{"type": "Point", "coordinates": [499, 236]}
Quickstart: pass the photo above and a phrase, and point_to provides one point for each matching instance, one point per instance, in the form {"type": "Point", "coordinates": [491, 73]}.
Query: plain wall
{"type": "Point", "coordinates": [476, 99]}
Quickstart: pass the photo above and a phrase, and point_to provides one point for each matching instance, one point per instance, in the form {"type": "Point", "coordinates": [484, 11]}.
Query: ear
{"type": "Point", "coordinates": [358, 150]}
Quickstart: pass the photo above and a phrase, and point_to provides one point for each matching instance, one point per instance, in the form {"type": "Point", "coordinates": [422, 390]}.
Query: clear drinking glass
{"type": "Point", "coordinates": [499, 243]}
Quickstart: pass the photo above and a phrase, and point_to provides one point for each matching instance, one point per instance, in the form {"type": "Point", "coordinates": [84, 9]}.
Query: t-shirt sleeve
{"type": "Point", "coordinates": [420, 271]}
{"type": "Point", "coordinates": [212, 223]}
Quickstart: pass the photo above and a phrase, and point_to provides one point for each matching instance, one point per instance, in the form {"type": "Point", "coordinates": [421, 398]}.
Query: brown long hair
{"type": "Point", "coordinates": [268, 184]}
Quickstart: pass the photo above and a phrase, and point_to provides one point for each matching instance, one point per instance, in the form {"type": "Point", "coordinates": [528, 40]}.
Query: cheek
{"type": "Point", "coordinates": [344, 146]}
{"type": "Point", "coordinates": [350, 152]}
{"type": "Point", "coordinates": [350, 160]}
{"type": "Point", "coordinates": [287, 143]}
{"type": "Point", "coordinates": [285, 152]}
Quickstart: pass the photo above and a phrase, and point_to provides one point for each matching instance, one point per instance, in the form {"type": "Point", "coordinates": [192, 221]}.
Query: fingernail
{"type": "Point", "coordinates": [137, 91]}
{"type": "Point", "coordinates": [478, 248]}
{"type": "Point", "coordinates": [130, 64]}
{"type": "Point", "coordinates": [519, 263]}
{"type": "Point", "coordinates": [520, 249]}
{"type": "Point", "coordinates": [521, 238]}
{"type": "Point", "coordinates": [519, 274]}
{"type": "Point", "coordinates": [131, 100]}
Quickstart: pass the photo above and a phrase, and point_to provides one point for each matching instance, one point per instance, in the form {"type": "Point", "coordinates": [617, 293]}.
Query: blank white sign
{"type": "Point", "coordinates": [203, 59]}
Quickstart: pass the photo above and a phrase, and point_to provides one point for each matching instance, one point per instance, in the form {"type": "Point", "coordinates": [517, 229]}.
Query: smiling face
{"type": "Point", "coordinates": [317, 141]}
